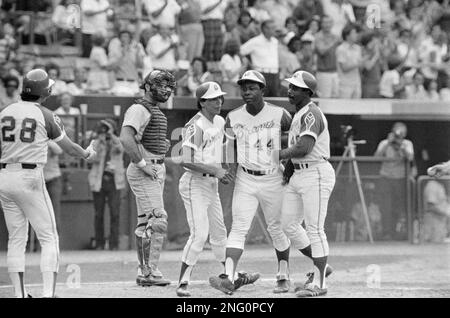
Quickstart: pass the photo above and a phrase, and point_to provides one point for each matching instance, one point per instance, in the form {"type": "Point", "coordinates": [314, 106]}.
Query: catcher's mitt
{"type": "Point", "coordinates": [288, 171]}
{"type": "Point", "coordinates": [156, 224]}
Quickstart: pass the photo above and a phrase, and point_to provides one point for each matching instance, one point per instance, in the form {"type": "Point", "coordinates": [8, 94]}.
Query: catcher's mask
{"type": "Point", "coordinates": [162, 84]}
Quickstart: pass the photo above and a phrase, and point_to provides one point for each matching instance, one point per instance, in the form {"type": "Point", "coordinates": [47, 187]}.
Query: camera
{"type": "Point", "coordinates": [347, 131]}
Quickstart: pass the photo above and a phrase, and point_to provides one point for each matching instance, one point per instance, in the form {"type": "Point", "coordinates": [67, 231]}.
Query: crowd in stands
{"type": "Point", "coordinates": [356, 48]}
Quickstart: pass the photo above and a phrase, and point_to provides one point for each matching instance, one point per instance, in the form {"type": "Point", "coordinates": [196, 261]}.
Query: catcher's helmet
{"type": "Point", "coordinates": [303, 79]}
{"type": "Point", "coordinates": [252, 76]}
{"type": "Point", "coordinates": [159, 81]}
{"type": "Point", "coordinates": [36, 82]}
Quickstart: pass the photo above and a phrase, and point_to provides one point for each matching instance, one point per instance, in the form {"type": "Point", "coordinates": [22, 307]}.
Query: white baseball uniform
{"type": "Point", "coordinates": [200, 192]}
{"type": "Point", "coordinates": [309, 189]}
{"type": "Point", "coordinates": [258, 178]}
{"type": "Point", "coordinates": [25, 129]}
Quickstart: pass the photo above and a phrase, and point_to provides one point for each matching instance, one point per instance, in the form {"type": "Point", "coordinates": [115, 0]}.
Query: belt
{"type": "Point", "coordinates": [306, 165]}
{"type": "Point", "coordinates": [24, 165]}
{"type": "Point", "coordinates": [125, 80]}
{"type": "Point", "coordinates": [157, 161]}
{"type": "Point", "coordinates": [257, 173]}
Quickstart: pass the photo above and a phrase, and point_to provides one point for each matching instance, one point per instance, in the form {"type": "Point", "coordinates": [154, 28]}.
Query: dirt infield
{"type": "Point", "coordinates": [360, 270]}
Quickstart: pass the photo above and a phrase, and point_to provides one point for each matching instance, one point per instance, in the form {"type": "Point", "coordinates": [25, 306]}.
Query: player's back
{"type": "Point", "coordinates": [25, 128]}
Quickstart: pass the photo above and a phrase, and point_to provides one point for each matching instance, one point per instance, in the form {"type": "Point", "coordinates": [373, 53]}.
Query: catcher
{"type": "Point", "coordinates": [143, 137]}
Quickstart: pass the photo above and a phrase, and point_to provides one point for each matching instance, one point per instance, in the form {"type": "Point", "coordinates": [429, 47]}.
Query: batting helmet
{"type": "Point", "coordinates": [209, 90]}
{"type": "Point", "coordinates": [36, 82]}
{"type": "Point", "coordinates": [252, 76]}
{"type": "Point", "coordinates": [303, 79]}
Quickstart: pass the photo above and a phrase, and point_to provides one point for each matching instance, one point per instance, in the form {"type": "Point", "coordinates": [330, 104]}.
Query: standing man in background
{"type": "Point", "coordinates": [263, 52]}
{"type": "Point", "coordinates": [143, 137]}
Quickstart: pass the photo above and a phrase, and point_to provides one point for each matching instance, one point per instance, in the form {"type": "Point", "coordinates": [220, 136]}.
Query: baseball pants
{"type": "Point", "coordinates": [204, 215]}
{"type": "Point", "coordinates": [149, 201]}
{"type": "Point", "coordinates": [250, 190]}
{"type": "Point", "coordinates": [306, 198]}
{"type": "Point", "coordinates": [24, 199]}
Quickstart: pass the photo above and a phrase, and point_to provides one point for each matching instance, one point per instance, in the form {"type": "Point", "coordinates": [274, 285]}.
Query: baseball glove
{"type": "Point", "coordinates": [288, 171]}
{"type": "Point", "coordinates": [156, 225]}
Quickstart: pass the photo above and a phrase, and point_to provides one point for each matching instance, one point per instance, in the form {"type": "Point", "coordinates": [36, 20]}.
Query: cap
{"type": "Point", "coordinates": [209, 90]}
{"type": "Point", "coordinates": [252, 76]}
{"type": "Point", "coordinates": [303, 79]}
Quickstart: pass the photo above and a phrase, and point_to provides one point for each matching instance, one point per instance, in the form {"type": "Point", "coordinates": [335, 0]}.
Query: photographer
{"type": "Point", "coordinates": [106, 179]}
{"type": "Point", "coordinates": [392, 184]}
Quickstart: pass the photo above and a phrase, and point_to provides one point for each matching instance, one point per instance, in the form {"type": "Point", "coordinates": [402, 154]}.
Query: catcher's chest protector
{"type": "Point", "coordinates": [154, 135]}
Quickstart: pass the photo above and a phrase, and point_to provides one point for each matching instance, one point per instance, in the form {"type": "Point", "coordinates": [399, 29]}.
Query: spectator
{"type": "Point", "coordinates": [313, 27]}
{"type": "Point", "coordinates": [416, 90]}
{"type": "Point", "coordinates": [279, 11]}
{"type": "Point", "coordinates": [198, 74]}
{"type": "Point", "coordinates": [289, 62]}
{"type": "Point", "coordinates": [349, 61]}
{"type": "Point", "coordinates": [258, 13]}
{"type": "Point", "coordinates": [191, 29]}
{"type": "Point", "coordinates": [78, 86]}
{"type": "Point", "coordinates": [106, 179]}
{"type": "Point", "coordinates": [54, 72]}
{"type": "Point", "coordinates": [263, 52]}
{"type": "Point", "coordinates": [444, 92]}
{"type": "Point", "coordinates": [212, 17]}
{"type": "Point", "coordinates": [126, 57]}
{"type": "Point", "coordinates": [325, 48]}
{"type": "Point", "coordinates": [162, 12]}
{"type": "Point", "coordinates": [162, 49]}
{"type": "Point", "coordinates": [246, 27]}
{"type": "Point", "coordinates": [231, 67]}
{"type": "Point", "coordinates": [432, 52]}
{"type": "Point", "coordinates": [231, 28]}
{"type": "Point", "coordinates": [65, 21]}
{"type": "Point", "coordinates": [11, 93]}
{"type": "Point", "coordinates": [98, 78]}
{"type": "Point", "coordinates": [406, 50]}
{"type": "Point", "coordinates": [305, 55]}
{"type": "Point", "coordinates": [8, 43]}
{"type": "Point", "coordinates": [94, 20]}
{"type": "Point", "coordinates": [291, 25]}
{"type": "Point", "coordinates": [342, 13]}
{"type": "Point", "coordinates": [436, 212]}
{"type": "Point", "coordinates": [431, 88]}
{"type": "Point", "coordinates": [391, 84]}
{"type": "Point", "coordinates": [305, 11]}
{"type": "Point", "coordinates": [371, 71]}
{"type": "Point", "coordinates": [53, 179]}
{"type": "Point", "coordinates": [68, 114]}
{"type": "Point", "coordinates": [392, 182]}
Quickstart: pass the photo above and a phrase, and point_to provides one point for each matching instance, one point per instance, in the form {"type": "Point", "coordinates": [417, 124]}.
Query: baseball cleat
{"type": "Point", "coordinates": [311, 291]}
{"type": "Point", "coordinates": [282, 286]}
{"type": "Point", "coordinates": [151, 280]}
{"type": "Point", "coordinates": [222, 283]}
{"type": "Point", "coordinates": [245, 279]}
{"type": "Point", "coordinates": [182, 290]}
{"type": "Point", "coordinates": [310, 278]}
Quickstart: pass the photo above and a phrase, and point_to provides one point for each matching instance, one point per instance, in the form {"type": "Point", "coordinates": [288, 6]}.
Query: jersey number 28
{"type": "Point", "coordinates": [27, 133]}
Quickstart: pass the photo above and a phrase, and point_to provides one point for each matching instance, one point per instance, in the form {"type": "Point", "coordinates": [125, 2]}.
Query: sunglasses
{"type": "Point", "coordinates": [15, 86]}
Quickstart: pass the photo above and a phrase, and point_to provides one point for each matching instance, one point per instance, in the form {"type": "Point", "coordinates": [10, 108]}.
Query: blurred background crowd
{"type": "Point", "coordinates": [356, 48]}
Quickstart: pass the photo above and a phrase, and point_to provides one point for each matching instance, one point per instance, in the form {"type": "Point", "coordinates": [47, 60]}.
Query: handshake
{"type": "Point", "coordinates": [224, 175]}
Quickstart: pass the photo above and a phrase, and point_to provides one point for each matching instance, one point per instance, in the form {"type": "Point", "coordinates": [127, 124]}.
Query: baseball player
{"type": "Point", "coordinates": [143, 137]}
{"type": "Point", "coordinates": [26, 128]}
{"type": "Point", "coordinates": [306, 196]}
{"type": "Point", "coordinates": [256, 128]}
{"type": "Point", "coordinates": [202, 159]}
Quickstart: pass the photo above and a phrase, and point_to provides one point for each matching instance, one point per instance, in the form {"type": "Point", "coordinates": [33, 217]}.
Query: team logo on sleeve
{"type": "Point", "coordinates": [190, 132]}
{"type": "Point", "coordinates": [58, 122]}
{"type": "Point", "coordinates": [309, 121]}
